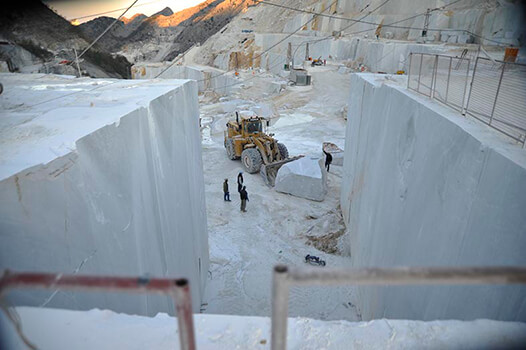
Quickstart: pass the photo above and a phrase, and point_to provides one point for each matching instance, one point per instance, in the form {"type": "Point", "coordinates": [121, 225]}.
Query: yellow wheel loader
{"type": "Point", "coordinates": [246, 139]}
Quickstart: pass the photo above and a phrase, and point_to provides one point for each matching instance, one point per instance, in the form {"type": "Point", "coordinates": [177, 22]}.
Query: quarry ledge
{"type": "Point", "coordinates": [423, 185]}
{"type": "Point", "coordinates": [105, 169]}
{"type": "Point", "coordinates": [43, 116]}
{"type": "Point", "coordinates": [62, 329]}
{"type": "Point", "coordinates": [487, 136]}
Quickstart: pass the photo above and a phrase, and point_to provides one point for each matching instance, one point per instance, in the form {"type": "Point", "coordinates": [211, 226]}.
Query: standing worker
{"type": "Point", "coordinates": [225, 191]}
{"type": "Point", "coordinates": [239, 181]}
{"type": "Point", "coordinates": [244, 198]}
{"type": "Point", "coordinates": [328, 160]}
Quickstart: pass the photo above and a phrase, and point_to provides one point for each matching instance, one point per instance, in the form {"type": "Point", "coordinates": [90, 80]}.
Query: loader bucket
{"type": "Point", "coordinates": [270, 171]}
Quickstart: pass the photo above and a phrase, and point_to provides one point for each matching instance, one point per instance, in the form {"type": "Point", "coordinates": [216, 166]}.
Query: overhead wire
{"type": "Point", "coordinates": [178, 59]}
{"type": "Point", "coordinates": [265, 2]}
{"type": "Point", "coordinates": [105, 31]}
{"type": "Point", "coordinates": [85, 50]}
{"type": "Point", "coordinates": [97, 87]}
{"type": "Point", "coordinates": [260, 54]}
{"type": "Point", "coordinates": [297, 30]}
{"type": "Point", "coordinates": [107, 12]}
{"type": "Point", "coordinates": [294, 32]}
{"type": "Point", "coordinates": [357, 21]}
{"type": "Point", "coordinates": [360, 20]}
{"type": "Point", "coordinates": [291, 8]}
{"type": "Point", "coordinates": [113, 82]}
{"type": "Point", "coordinates": [248, 79]}
{"type": "Point", "coordinates": [390, 25]}
{"type": "Point", "coordinates": [276, 44]}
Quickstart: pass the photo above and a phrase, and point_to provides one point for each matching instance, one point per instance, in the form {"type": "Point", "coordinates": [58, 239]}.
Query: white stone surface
{"type": "Point", "coordinates": [207, 77]}
{"type": "Point", "coordinates": [305, 177]}
{"type": "Point", "coordinates": [484, 18]}
{"type": "Point", "coordinates": [265, 110]}
{"type": "Point", "coordinates": [103, 329]}
{"type": "Point", "coordinates": [424, 186]}
{"type": "Point", "coordinates": [102, 177]}
{"type": "Point", "coordinates": [378, 56]}
{"type": "Point", "coordinates": [452, 39]}
{"type": "Point", "coordinates": [430, 38]}
{"type": "Point", "coordinates": [465, 39]}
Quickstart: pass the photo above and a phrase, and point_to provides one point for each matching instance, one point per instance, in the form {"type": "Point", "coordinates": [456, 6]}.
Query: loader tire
{"type": "Point", "coordinates": [251, 159]}
{"type": "Point", "coordinates": [230, 151]}
{"type": "Point", "coordinates": [283, 151]}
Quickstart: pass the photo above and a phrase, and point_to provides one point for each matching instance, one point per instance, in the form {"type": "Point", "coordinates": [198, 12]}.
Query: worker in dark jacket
{"type": "Point", "coordinates": [225, 191]}
{"type": "Point", "coordinates": [328, 160]}
{"type": "Point", "coordinates": [244, 198]}
{"type": "Point", "coordinates": [239, 181]}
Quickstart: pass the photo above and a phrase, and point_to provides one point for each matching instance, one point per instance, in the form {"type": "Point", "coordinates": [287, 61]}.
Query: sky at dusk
{"type": "Point", "coordinates": [72, 9]}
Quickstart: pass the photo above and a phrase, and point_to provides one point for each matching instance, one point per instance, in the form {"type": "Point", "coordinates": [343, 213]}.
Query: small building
{"type": "Point", "coordinates": [300, 77]}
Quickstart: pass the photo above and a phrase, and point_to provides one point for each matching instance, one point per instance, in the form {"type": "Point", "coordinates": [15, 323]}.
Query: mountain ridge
{"type": "Point", "coordinates": [165, 34]}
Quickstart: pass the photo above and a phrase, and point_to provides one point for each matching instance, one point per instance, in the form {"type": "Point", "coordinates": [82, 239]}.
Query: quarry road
{"type": "Point", "coordinates": [245, 246]}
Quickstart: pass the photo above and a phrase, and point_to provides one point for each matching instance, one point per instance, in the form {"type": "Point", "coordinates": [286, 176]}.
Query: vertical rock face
{"type": "Point", "coordinates": [108, 181]}
{"type": "Point", "coordinates": [206, 77]}
{"type": "Point", "coordinates": [423, 186]}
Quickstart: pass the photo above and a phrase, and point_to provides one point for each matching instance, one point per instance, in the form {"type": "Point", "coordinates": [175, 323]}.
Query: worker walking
{"type": "Point", "coordinates": [244, 198]}
{"type": "Point", "coordinates": [225, 191]}
{"type": "Point", "coordinates": [328, 160]}
{"type": "Point", "coordinates": [239, 181]}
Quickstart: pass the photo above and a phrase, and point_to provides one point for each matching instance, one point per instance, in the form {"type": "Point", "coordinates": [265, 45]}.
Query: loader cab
{"type": "Point", "coordinates": [252, 126]}
{"type": "Point", "coordinates": [244, 127]}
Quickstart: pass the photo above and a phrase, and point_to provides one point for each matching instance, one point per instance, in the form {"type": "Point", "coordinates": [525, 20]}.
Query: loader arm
{"type": "Point", "coordinates": [270, 171]}
{"type": "Point", "coordinates": [261, 148]}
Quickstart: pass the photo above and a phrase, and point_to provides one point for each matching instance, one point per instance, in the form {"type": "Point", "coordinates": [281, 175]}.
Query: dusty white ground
{"type": "Point", "coordinates": [104, 329]}
{"type": "Point", "coordinates": [245, 246]}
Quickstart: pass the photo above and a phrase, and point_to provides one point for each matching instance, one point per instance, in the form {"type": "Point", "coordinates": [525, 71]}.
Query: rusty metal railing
{"type": "Point", "coordinates": [491, 91]}
{"type": "Point", "coordinates": [178, 288]}
{"type": "Point", "coordinates": [285, 277]}
{"type": "Point", "coordinates": [497, 96]}
{"type": "Point", "coordinates": [443, 78]}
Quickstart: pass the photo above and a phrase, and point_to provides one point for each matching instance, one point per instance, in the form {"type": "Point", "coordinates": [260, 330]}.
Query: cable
{"type": "Point", "coordinates": [355, 21]}
{"type": "Point", "coordinates": [262, 53]}
{"type": "Point", "coordinates": [105, 13]}
{"type": "Point", "coordinates": [244, 81]}
{"type": "Point", "coordinates": [297, 30]}
{"type": "Point", "coordinates": [48, 300]}
{"type": "Point", "coordinates": [345, 18]}
{"type": "Point", "coordinates": [176, 60]}
{"type": "Point", "coordinates": [73, 93]}
{"type": "Point", "coordinates": [366, 30]}
{"type": "Point", "coordinates": [288, 36]}
{"type": "Point", "coordinates": [104, 32]}
{"type": "Point", "coordinates": [328, 37]}
{"type": "Point", "coordinates": [279, 42]}
{"type": "Point", "coordinates": [309, 12]}
{"type": "Point", "coordinates": [391, 25]}
{"type": "Point", "coordinates": [330, 16]}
